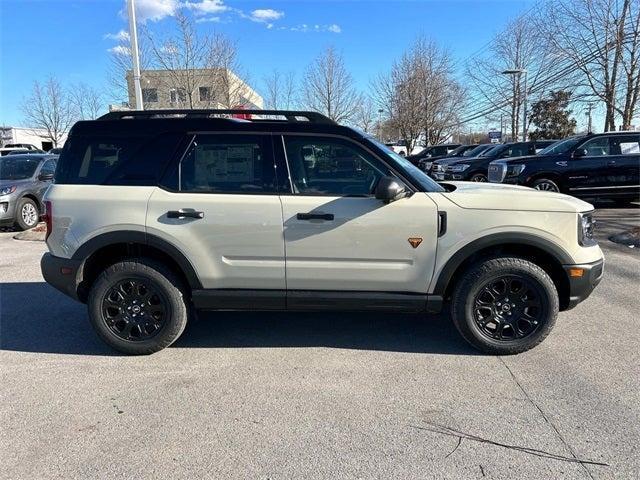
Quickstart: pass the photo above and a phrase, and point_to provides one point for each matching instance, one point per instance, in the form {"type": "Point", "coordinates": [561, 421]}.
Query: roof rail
{"type": "Point", "coordinates": [289, 115]}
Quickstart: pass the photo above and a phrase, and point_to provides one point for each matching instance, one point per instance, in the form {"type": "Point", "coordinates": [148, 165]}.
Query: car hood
{"type": "Point", "coordinates": [18, 183]}
{"type": "Point", "coordinates": [450, 160]}
{"type": "Point", "coordinates": [522, 159]}
{"type": "Point", "coordinates": [497, 196]}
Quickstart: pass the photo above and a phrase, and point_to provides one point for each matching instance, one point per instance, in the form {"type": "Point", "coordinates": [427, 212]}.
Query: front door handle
{"type": "Point", "coordinates": [185, 213]}
{"type": "Point", "coordinates": [314, 216]}
{"type": "Point", "coordinates": [611, 162]}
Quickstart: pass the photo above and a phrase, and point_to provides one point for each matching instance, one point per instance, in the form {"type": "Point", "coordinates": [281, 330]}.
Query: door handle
{"type": "Point", "coordinates": [611, 162]}
{"type": "Point", "coordinates": [314, 216]}
{"type": "Point", "coordinates": [184, 213]}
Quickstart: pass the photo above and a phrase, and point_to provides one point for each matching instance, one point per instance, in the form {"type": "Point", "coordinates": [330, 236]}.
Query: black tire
{"type": "Point", "coordinates": [156, 328]}
{"type": "Point", "coordinates": [27, 214]}
{"type": "Point", "coordinates": [478, 177]}
{"type": "Point", "coordinates": [469, 310]}
{"type": "Point", "coordinates": [546, 185]}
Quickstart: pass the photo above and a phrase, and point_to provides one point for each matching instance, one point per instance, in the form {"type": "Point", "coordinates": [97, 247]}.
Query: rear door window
{"type": "Point", "coordinates": [228, 164]}
{"type": "Point", "coordinates": [625, 145]}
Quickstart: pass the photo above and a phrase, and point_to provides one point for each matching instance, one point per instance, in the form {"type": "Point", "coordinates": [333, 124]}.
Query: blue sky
{"type": "Point", "coordinates": [69, 38]}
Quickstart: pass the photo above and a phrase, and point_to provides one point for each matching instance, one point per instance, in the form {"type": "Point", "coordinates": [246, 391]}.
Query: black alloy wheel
{"type": "Point", "coordinates": [479, 177]}
{"type": "Point", "coordinates": [134, 310]}
{"type": "Point", "coordinates": [508, 308]}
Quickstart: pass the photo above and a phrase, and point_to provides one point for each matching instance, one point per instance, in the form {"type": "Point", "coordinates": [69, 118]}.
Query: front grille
{"type": "Point", "coordinates": [497, 172]}
{"type": "Point", "coordinates": [437, 167]}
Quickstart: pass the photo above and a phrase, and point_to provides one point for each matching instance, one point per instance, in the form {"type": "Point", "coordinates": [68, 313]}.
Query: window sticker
{"type": "Point", "coordinates": [630, 148]}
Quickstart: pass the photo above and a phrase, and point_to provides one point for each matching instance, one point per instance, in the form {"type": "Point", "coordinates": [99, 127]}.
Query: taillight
{"type": "Point", "coordinates": [48, 218]}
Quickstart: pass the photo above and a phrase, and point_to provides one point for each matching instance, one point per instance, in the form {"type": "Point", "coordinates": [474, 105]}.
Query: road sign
{"type": "Point", "coordinates": [495, 136]}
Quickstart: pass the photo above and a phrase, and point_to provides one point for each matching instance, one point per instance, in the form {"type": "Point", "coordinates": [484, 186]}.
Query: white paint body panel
{"type": "Point", "coordinates": [81, 212]}
{"type": "Point", "coordinates": [238, 243]}
{"type": "Point", "coordinates": [364, 248]}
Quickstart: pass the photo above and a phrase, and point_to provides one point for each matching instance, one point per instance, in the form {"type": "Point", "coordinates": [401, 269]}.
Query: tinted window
{"type": "Point", "coordinates": [330, 166]}
{"type": "Point", "coordinates": [18, 168]}
{"type": "Point", "coordinates": [227, 164]}
{"type": "Point", "coordinates": [625, 145]}
{"type": "Point", "coordinates": [561, 146]}
{"type": "Point", "coordinates": [48, 168]}
{"type": "Point", "coordinates": [520, 149]}
{"type": "Point", "coordinates": [598, 147]}
{"type": "Point", "coordinates": [149, 94]}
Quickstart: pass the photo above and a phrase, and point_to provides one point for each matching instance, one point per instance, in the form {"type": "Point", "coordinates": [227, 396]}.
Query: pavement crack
{"type": "Point", "coordinates": [456, 447]}
{"type": "Point", "coordinates": [549, 422]}
{"type": "Point", "coordinates": [444, 430]}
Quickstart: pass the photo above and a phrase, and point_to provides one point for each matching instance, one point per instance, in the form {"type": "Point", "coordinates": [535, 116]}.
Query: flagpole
{"type": "Point", "coordinates": [133, 35]}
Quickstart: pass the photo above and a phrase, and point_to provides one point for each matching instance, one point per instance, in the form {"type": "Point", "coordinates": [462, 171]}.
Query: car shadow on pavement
{"type": "Point", "coordinates": [34, 317]}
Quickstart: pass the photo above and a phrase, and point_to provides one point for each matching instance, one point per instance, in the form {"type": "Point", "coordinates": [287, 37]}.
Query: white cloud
{"type": "Point", "coordinates": [266, 15]}
{"type": "Point", "coordinates": [121, 36]}
{"type": "Point", "coordinates": [304, 28]}
{"type": "Point", "coordinates": [154, 10]}
{"type": "Point", "coordinates": [206, 7]}
{"type": "Point", "coordinates": [208, 19]}
{"type": "Point", "coordinates": [120, 50]}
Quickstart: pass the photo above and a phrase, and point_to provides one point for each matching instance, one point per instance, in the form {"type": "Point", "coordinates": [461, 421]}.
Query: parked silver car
{"type": "Point", "coordinates": [23, 181]}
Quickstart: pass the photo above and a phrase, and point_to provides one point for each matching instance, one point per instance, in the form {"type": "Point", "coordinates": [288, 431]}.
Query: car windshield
{"type": "Point", "coordinates": [17, 168]}
{"type": "Point", "coordinates": [474, 152]}
{"type": "Point", "coordinates": [493, 152]}
{"type": "Point", "coordinates": [460, 150]}
{"type": "Point", "coordinates": [418, 175]}
{"type": "Point", "coordinates": [562, 146]}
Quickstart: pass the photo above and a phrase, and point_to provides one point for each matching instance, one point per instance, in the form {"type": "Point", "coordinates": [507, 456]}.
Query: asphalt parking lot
{"type": "Point", "coordinates": [319, 395]}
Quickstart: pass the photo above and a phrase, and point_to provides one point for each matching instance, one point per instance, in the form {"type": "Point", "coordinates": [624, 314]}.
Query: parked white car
{"type": "Point", "coordinates": [154, 214]}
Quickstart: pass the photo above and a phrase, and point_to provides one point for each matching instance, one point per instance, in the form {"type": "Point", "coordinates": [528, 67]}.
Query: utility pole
{"type": "Point", "coordinates": [380, 110]}
{"type": "Point", "coordinates": [589, 108]}
{"type": "Point", "coordinates": [133, 37]}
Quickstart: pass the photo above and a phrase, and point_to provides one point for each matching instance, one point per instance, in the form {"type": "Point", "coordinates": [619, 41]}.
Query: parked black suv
{"type": "Point", "coordinates": [475, 169]}
{"type": "Point", "coordinates": [434, 151]}
{"type": "Point", "coordinates": [604, 165]}
{"type": "Point", "coordinates": [430, 166]}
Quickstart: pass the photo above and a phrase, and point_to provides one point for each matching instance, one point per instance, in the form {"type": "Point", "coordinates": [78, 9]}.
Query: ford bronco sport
{"type": "Point", "coordinates": [155, 214]}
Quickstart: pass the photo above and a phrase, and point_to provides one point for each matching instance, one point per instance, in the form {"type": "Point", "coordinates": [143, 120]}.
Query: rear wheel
{"type": "Point", "coordinates": [546, 185]}
{"type": "Point", "coordinates": [27, 215]}
{"type": "Point", "coordinates": [505, 305]}
{"type": "Point", "coordinates": [138, 306]}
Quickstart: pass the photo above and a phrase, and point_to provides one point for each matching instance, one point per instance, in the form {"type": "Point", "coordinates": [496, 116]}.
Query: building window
{"type": "Point", "coordinates": [206, 95]}
{"type": "Point", "coordinates": [149, 95]}
{"type": "Point", "coordinates": [177, 95]}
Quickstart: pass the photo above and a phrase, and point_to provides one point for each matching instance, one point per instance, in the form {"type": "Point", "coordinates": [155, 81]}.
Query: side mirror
{"type": "Point", "coordinates": [390, 189]}
{"type": "Point", "coordinates": [45, 176]}
{"type": "Point", "coordinates": [581, 152]}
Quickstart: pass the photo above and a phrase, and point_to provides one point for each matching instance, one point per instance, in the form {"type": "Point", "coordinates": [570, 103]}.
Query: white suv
{"type": "Point", "coordinates": [153, 214]}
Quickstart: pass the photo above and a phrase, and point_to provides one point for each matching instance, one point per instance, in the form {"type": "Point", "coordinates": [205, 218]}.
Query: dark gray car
{"type": "Point", "coordinates": [23, 181]}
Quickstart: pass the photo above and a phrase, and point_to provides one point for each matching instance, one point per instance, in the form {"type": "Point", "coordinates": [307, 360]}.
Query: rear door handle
{"type": "Point", "coordinates": [184, 213]}
{"type": "Point", "coordinates": [314, 216]}
{"type": "Point", "coordinates": [611, 162]}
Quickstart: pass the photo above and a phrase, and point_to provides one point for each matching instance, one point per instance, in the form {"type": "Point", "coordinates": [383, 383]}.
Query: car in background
{"type": "Point", "coordinates": [26, 146]}
{"type": "Point", "coordinates": [437, 167]}
{"type": "Point", "coordinates": [475, 169]}
{"type": "Point", "coordinates": [462, 151]}
{"type": "Point", "coordinates": [55, 151]}
{"type": "Point", "coordinates": [8, 150]}
{"type": "Point", "coordinates": [399, 147]}
{"type": "Point", "coordinates": [23, 181]}
{"type": "Point", "coordinates": [22, 151]}
{"type": "Point", "coordinates": [433, 151]}
{"type": "Point", "coordinates": [602, 165]}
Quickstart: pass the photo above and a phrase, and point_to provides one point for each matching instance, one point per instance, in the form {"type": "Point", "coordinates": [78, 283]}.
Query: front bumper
{"type": "Point", "coordinates": [580, 287]}
{"type": "Point", "coordinates": [7, 209]}
{"type": "Point", "coordinates": [61, 273]}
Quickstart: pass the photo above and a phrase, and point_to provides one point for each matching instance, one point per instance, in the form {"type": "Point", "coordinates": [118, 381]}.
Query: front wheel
{"type": "Point", "coordinates": [479, 177]}
{"type": "Point", "coordinates": [27, 215]}
{"type": "Point", "coordinates": [138, 306]}
{"type": "Point", "coordinates": [505, 305]}
{"type": "Point", "coordinates": [546, 185]}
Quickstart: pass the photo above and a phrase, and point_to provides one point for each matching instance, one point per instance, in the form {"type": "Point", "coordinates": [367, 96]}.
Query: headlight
{"type": "Point", "coordinates": [586, 227]}
{"type": "Point", "coordinates": [515, 170]}
{"type": "Point", "coordinates": [458, 168]}
{"type": "Point", "coordinates": [7, 190]}
{"type": "Point", "coordinates": [426, 166]}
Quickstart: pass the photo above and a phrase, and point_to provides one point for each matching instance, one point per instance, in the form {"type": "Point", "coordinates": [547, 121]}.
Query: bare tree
{"type": "Point", "coordinates": [87, 102]}
{"type": "Point", "coordinates": [329, 88]}
{"type": "Point", "coordinates": [603, 45]}
{"type": "Point", "coordinates": [520, 46]}
{"type": "Point", "coordinates": [419, 95]}
{"type": "Point", "coordinates": [230, 81]}
{"type": "Point", "coordinates": [365, 114]}
{"type": "Point", "coordinates": [280, 90]}
{"type": "Point", "coordinates": [49, 108]}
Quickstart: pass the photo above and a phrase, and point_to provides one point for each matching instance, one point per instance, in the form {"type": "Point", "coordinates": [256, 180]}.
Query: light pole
{"type": "Point", "coordinates": [523, 72]}
{"type": "Point", "coordinates": [133, 34]}
{"type": "Point", "coordinates": [380, 110]}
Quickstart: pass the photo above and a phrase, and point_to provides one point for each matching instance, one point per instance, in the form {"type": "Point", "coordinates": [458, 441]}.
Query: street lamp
{"type": "Point", "coordinates": [380, 110]}
{"type": "Point", "coordinates": [521, 71]}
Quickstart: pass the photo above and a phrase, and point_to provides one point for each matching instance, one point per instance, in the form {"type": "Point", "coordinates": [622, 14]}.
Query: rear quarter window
{"type": "Point", "coordinates": [115, 160]}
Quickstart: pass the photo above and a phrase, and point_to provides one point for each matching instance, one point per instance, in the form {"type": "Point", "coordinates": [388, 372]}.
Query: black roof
{"type": "Point", "coordinates": [152, 122]}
